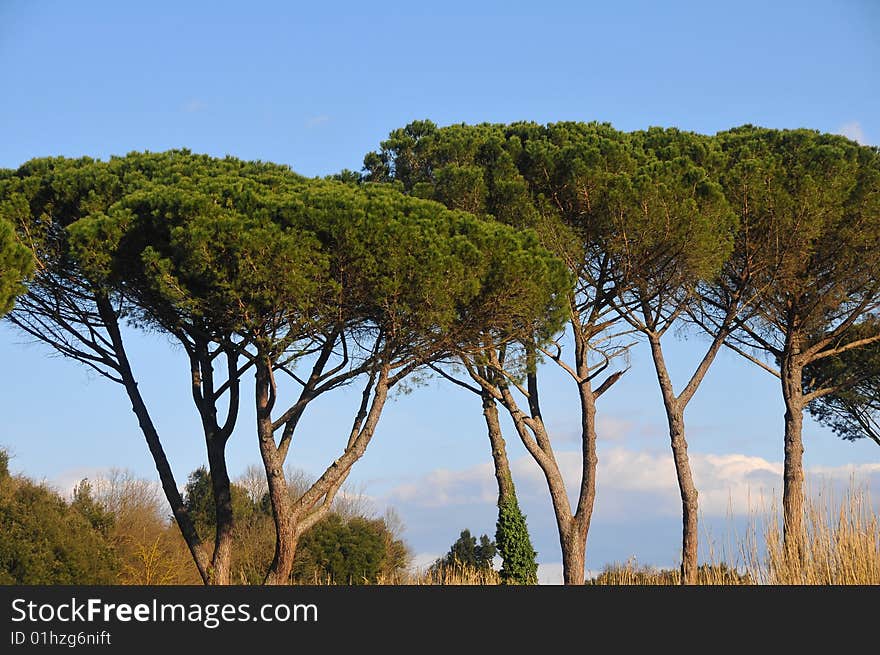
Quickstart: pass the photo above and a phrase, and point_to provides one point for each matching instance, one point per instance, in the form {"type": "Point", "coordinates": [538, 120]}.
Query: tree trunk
{"type": "Point", "coordinates": [686, 487]}
{"type": "Point", "coordinates": [166, 476]}
{"type": "Point", "coordinates": [791, 374]}
{"type": "Point", "coordinates": [163, 467]}
{"type": "Point", "coordinates": [573, 539]}
{"type": "Point", "coordinates": [221, 563]}
{"type": "Point", "coordinates": [506, 490]}
{"type": "Point", "coordinates": [279, 496]}
{"type": "Point", "coordinates": [584, 512]}
{"type": "Point", "coordinates": [688, 492]}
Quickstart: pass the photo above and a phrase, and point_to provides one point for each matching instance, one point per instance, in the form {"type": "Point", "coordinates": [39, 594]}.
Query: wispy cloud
{"type": "Point", "coordinates": [633, 485]}
{"type": "Point", "coordinates": [317, 121]}
{"type": "Point", "coordinates": [853, 130]}
{"type": "Point", "coordinates": [444, 488]}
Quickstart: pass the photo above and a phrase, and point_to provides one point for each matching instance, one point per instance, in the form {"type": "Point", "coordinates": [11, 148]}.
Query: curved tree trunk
{"type": "Point", "coordinates": [584, 512]}
{"type": "Point", "coordinates": [674, 408]}
{"type": "Point", "coordinates": [166, 476]}
{"type": "Point", "coordinates": [282, 506]}
{"type": "Point", "coordinates": [163, 467]}
{"type": "Point", "coordinates": [506, 490]}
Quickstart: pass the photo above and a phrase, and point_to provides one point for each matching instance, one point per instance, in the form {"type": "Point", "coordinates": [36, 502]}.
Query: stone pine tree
{"type": "Point", "coordinates": [170, 247]}
{"type": "Point", "coordinates": [80, 317]}
{"type": "Point", "coordinates": [469, 552]}
{"type": "Point", "coordinates": [552, 179]}
{"type": "Point", "coordinates": [671, 229]}
{"type": "Point", "coordinates": [413, 283]}
{"type": "Point", "coordinates": [446, 165]}
{"type": "Point", "coordinates": [809, 242]}
{"type": "Point", "coordinates": [98, 269]}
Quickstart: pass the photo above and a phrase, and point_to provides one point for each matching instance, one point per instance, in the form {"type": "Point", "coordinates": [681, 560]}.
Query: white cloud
{"type": "Point", "coordinates": [66, 481]}
{"type": "Point", "coordinates": [550, 573]}
{"type": "Point", "coordinates": [632, 485]}
{"type": "Point", "coordinates": [853, 130]}
{"type": "Point", "coordinates": [445, 487]}
{"type": "Point", "coordinates": [421, 561]}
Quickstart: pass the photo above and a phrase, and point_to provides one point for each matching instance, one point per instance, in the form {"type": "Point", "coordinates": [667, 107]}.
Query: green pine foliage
{"type": "Point", "coordinates": [16, 264]}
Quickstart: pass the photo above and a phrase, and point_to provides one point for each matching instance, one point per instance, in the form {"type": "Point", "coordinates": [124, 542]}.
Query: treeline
{"type": "Point", "coordinates": [116, 530]}
{"type": "Point", "coordinates": [479, 254]}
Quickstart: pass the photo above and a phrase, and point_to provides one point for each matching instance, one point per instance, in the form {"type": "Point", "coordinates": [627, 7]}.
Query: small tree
{"type": "Point", "coordinates": [357, 550]}
{"type": "Point", "coordinates": [467, 552]}
{"type": "Point", "coordinates": [519, 559]}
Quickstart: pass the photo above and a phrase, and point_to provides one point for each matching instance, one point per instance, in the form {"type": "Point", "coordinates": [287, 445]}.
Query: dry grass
{"type": "Point", "coordinates": [630, 573]}
{"type": "Point", "coordinates": [841, 546]}
{"type": "Point", "coordinates": [455, 574]}
{"type": "Point", "coordinates": [458, 574]}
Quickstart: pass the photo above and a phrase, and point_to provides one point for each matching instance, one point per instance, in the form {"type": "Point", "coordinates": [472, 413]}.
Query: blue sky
{"type": "Point", "coordinates": [317, 86]}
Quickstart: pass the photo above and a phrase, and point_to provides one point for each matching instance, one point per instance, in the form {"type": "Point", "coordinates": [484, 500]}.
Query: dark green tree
{"type": "Point", "coordinates": [48, 541]}
{"type": "Point", "coordinates": [199, 500]}
{"type": "Point", "coordinates": [357, 550]}
{"type": "Point", "coordinates": [467, 552]}
{"type": "Point", "coordinates": [519, 558]}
